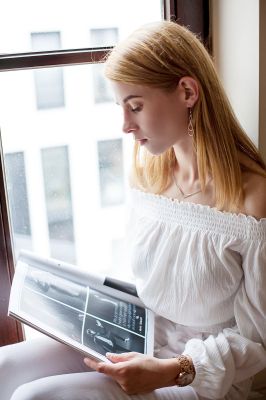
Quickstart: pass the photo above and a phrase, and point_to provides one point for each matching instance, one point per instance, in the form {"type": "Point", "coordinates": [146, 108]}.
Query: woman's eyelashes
{"type": "Point", "coordinates": [136, 109]}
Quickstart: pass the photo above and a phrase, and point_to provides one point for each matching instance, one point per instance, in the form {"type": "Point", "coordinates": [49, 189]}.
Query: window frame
{"type": "Point", "coordinates": [10, 330]}
{"type": "Point", "coordinates": [186, 12]}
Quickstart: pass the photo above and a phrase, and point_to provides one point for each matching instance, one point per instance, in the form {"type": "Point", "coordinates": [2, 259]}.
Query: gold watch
{"type": "Point", "coordinates": [187, 371]}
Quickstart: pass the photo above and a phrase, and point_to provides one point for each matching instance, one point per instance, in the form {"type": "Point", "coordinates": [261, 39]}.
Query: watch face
{"type": "Point", "coordinates": [184, 379]}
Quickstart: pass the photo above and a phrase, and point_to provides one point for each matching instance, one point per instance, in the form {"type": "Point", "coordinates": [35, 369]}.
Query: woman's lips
{"type": "Point", "coordinates": [141, 141]}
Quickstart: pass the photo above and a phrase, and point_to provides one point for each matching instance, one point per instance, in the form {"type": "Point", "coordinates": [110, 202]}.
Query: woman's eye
{"type": "Point", "coordinates": [136, 109]}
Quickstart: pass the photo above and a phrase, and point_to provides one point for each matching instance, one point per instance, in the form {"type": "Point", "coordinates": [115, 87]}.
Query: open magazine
{"type": "Point", "coordinates": [86, 311]}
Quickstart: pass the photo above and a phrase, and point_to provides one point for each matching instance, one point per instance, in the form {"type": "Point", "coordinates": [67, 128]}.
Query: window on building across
{"type": "Point", "coordinates": [58, 200]}
{"type": "Point", "coordinates": [18, 199]}
{"type": "Point", "coordinates": [100, 38]}
{"type": "Point", "coordinates": [110, 159]}
{"type": "Point", "coordinates": [17, 189]}
{"type": "Point", "coordinates": [49, 83]}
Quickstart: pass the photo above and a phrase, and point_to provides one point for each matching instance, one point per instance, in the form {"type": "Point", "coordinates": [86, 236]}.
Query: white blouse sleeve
{"type": "Point", "coordinates": [238, 353]}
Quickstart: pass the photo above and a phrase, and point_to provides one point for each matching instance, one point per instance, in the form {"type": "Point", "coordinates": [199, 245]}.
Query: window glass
{"type": "Point", "coordinates": [58, 125]}
{"type": "Point", "coordinates": [49, 82]}
{"type": "Point", "coordinates": [49, 88]}
{"type": "Point", "coordinates": [58, 201]}
{"type": "Point", "coordinates": [41, 41]}
{"type": "Point", "coordinates": [77, 165]}
{"type": "Point", "coordinates": [74, 20]}
{"type": "Point", "coordinates": [103, 37]}
{"type": "Point", "coordinates": [110, 158]}
{"type": "Point", "coordinates": [101, 88]}
{"type": "Point", "coordinates": [99, 37]}
{"type": "Point", "coordinates": [18, 194]}
{"type": "Point", "coordinates": [72, 160]}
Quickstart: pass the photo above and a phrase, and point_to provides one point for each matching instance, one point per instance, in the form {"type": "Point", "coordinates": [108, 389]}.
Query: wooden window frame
{"type": "Point", "coordinates": [191, 13]}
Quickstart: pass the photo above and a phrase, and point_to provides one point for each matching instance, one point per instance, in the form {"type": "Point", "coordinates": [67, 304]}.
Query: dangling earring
{"type": "Point", "coordinates": [190, 129]}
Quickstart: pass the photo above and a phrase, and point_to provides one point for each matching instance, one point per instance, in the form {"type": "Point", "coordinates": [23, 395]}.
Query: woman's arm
{"type": "Point", "coordinates": [139, 373]}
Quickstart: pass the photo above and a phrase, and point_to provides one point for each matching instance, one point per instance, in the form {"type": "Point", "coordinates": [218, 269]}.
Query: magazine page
{"type": "Point", "coordinates": [81, 276]}
{"type": "Point", "coordinates": [82, 316]}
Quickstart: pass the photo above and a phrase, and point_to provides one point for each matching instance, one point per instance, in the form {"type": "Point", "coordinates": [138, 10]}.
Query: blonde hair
{"type": "Point", "coordinates": [159, 55]}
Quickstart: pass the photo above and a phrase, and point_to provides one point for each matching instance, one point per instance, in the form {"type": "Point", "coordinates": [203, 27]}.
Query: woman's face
{"type": "Point", "coordinates": [156, 118]}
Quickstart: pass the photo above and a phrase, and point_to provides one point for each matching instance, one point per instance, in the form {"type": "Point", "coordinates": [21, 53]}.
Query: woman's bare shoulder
{"type": "Point", "coordinates": [254, 195]}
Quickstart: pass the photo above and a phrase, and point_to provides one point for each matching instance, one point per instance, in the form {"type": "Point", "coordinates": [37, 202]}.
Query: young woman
{"type": "Point", "coordinates": [197, 236]}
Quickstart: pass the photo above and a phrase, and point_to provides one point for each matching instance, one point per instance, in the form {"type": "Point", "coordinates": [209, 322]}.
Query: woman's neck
{"type": "Point", "coordinates": [187, 167]}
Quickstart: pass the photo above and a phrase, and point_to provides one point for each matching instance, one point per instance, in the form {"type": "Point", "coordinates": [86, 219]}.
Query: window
{"type": "Point", "coordinates": [19, 207]}
{"type": "Point", "coordinates": [58, 202]}
{"type": "Point", "coordinates": [110, 159]}
{"type": "Point", "coordinates": [103, 37]}
{"type": "Point", "coordinates": [101, 88]}
{"type": "Point", "coordinates": [49, 83]}
{"type": "Point", "coordinates": [99, 38]}
{"type": "Point", "coordinates": [76, 168]}
{"type": "Point", "coordinates": [43, 41]}
{"type": "Point", "coordinates": [66, 145]}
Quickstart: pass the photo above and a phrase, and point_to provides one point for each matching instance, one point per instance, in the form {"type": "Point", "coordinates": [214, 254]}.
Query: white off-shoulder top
{"type": "Point", "coordinates": [203, 272]}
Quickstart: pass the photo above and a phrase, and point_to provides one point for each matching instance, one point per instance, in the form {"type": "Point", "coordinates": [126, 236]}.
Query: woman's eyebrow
{"type": "Point", "coordinates": [131, 96]}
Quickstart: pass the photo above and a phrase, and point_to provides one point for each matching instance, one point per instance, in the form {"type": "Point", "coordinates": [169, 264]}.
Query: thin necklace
{"type": "Point", "coordinates": [184, 196]}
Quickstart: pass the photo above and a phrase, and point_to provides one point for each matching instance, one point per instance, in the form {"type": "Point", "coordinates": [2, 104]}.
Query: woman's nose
{"type": "Point", "coordinates": [125, 127]}
{"type": "Point", "coordinates": [128, 124]}
{"type": "Point", "coordinates": [129, 128]}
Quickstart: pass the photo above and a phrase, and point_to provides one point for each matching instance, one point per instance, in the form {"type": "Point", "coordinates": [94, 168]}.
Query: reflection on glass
{"type": "Point", "coordinates": [58, 202]}
{"type": "Point", "coordinates": [110, 158]}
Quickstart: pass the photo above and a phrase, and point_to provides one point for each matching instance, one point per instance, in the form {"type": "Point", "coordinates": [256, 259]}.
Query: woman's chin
{"type": "Point", "coordinates": [155, 151]}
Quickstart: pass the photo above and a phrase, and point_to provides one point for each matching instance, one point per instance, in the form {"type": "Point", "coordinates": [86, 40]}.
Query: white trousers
{"type": "Point", "coordinates": [43, 369]}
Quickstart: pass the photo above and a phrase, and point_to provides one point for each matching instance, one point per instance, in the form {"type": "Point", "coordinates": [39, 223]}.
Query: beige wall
{"type": "Point", "coordinates": [236, 53]}
{"type": "Point", "coordinates": [262, 97]}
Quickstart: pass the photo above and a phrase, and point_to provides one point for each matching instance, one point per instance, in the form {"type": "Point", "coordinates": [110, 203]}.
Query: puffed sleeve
{"type": "Point", "coordinates": [238, 353]}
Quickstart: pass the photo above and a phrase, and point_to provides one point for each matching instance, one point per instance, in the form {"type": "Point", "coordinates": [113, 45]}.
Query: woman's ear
{"type": "Point", "coordinates": [190, 88]}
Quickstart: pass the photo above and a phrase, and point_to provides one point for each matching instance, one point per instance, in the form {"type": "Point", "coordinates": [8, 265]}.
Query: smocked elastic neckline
{"type": "Point", "coordinates": [199, 216]}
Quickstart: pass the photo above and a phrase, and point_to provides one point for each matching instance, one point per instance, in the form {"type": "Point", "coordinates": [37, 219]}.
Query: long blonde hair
{"type": "Point", "coordinates": [158, 55]}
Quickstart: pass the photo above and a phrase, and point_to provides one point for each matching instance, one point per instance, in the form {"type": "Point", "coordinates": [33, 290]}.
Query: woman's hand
{"type": "Point", "coordinates": [137, 373]}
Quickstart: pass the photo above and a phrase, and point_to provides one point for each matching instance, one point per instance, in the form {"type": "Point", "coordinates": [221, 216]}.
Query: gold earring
{"type": "Point", "coordinates": [190, 128]}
